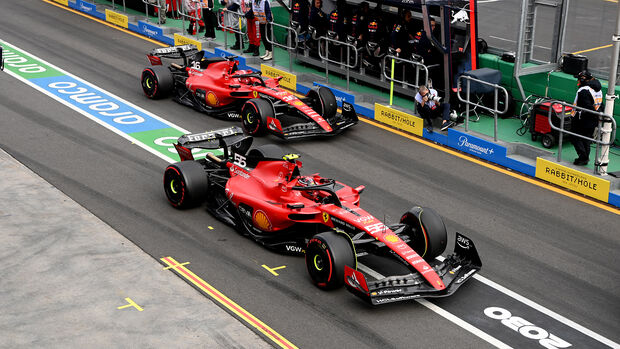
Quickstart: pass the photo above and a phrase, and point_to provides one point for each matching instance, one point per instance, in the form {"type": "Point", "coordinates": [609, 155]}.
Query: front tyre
{"type": "Point", "coordinates": [254, 114]}
{"type": "Point", "coordinates": [427, 232]}
{"type": "Point", "coordinates": [185, 184]}
{"type": "Point", "coordinates": [326, 255]}
{"type": "Point", "coordinates": [156, 82]}
{"type": "Point", "coordinates": [323, 101]}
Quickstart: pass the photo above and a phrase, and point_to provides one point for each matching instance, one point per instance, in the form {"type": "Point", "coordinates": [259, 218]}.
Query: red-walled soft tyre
{"type": "Point", "coordinates": [326, 255]}
{"type": "Point", "coordinates": [185, 184]}
{"type": "Point", "coordinates": [254, 114]}
{"type": "Point", "coordinates": [156, 82]}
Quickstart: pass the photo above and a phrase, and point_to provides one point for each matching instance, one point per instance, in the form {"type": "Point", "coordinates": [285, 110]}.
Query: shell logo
{"type": "Point", "coordinates": [255, 94]}
{"type": "Point", "coordinates": [212, 99]}
{"type": "Point", "coordinates": [391, 238]}
{"type": "Point", "coordinates": [261, 220]}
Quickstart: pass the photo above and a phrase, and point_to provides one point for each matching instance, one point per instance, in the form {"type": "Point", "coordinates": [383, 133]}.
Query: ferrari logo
{"type": "Point", "coordinates": [255, 94]}
{"type": "Point", "coordinates": [325, 217]}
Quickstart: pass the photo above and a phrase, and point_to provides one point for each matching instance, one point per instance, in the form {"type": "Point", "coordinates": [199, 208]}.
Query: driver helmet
{"type": "Point", "coordinates": [305, 181]}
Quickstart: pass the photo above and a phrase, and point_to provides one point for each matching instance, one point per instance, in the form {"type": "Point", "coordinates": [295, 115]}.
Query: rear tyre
{"type": "Point", "coordinates": [323, 101]}
{"type": "Point", "coordinates": [265, 151]}
{"type": "Point", "coordinates": [156, 82]}
{"type": "Point", "coordinates": [427, 232]}
{"type": "Point", "coordinates": [185, 184]}
{"type": "Point", "coordinates": [548, 140]}
{"type": "Point", "coordinates": [254, 114]}
{"type": "Point", "coordinates": [326, 255]}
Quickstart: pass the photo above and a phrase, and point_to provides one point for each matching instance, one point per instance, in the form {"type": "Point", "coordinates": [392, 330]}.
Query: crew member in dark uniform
{"type": "Point", "coordinates": [589, 96]}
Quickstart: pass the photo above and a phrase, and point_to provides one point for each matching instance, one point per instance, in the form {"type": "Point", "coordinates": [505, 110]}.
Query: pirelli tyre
{"type": "Point", "coordinates": [185, 184]}
{"type": "Point", "coordinates": [323, 101]}
{"type": "Point", "coordinates": [157, 82]}
{"type": "Point", "coordinates": [326, 255]}
{"type": "Point", "coordinates": [427, 232]}
{"type": "Point", "coordinates": [254, 114]}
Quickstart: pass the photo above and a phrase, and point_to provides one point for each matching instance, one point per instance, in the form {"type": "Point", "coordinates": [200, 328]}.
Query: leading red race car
{"type": "Point", "coordinates": [217, 87]}
{"type": "Point", "coordinates": [262, 193]}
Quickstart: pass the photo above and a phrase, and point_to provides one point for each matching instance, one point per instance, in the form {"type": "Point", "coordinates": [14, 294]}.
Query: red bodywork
{"type": "Point", "coordinates": [268, 188]}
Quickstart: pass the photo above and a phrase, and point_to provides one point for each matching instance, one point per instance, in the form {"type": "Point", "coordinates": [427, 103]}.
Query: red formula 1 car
{"type": "Point", "coordinates": [216, 86]}
{"type": "Point", "coordinates": [262, 193]}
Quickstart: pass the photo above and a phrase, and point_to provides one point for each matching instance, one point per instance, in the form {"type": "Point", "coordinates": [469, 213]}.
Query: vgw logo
{"type": "Point", "coordinates": [526, 328]}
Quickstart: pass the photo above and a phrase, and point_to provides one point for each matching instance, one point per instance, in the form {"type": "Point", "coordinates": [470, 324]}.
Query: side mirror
{"type": "Point", "coordinates": [360, 189]}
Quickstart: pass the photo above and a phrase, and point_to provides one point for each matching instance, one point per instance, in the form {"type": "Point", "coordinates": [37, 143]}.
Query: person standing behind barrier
{"type": "Point", "coordinates": [192, 8]}
{"type": "Point", "coordinates": [429, 107]}
{"type": "Point", "coordinates": [209, 19]}
{"type": "Point", "coordinates": [262, 14]}
{"type": "Point", "coordinates": [232, 20]}
{"type": "Point", "coordinates": [299, 20]}
{"type": "Point", "coordinates": [589, 96]}
{"type": "Point", "coordinates": [252, 25]}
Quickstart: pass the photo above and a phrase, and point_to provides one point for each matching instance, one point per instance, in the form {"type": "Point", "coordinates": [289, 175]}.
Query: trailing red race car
{"type": "Point", "coordinates": [262, 193]}
{"type": "Point", "coordinates": [217, 87]}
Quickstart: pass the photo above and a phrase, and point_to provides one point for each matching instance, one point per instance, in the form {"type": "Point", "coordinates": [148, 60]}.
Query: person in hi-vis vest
{"type": "Point", "coordinates": [262, 14]}
{"type": "Point", "coordinates": [589, 96]}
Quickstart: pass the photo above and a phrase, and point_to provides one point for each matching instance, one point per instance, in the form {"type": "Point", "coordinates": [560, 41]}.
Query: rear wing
{"type": "Point", "coordinates": [228, 139]}
{"type": "Point", "coordinates": [185, 52]}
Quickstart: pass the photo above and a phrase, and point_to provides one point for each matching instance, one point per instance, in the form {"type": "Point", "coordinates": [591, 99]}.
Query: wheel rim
{"type": "Point", "coordinates": [318, 262]}
{"type": "Point", "coordinates": [251, 122]}
{"type": "Point", "coordinates": [173, 186]}
{"type": "Point", "coordinates": [149, 84]}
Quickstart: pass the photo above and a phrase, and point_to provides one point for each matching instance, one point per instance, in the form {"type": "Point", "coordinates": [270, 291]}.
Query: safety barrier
{"type": "Point", "coordinates": [327, 60]}
{"type": "Point", "coordinates": [291, 33]}
{"type": "Point", "coordinates": [234, 17]}
{"type": "Point", "coordinates": [602, 118]}
{"type": "Point", "coordinates": [418, 66]}
{"type": "Point", "coordinates": [184, 13]}
{"type": "Point", "coordinates": [159, 4]}
{"type": "Point", "coordinates": [478, 104]}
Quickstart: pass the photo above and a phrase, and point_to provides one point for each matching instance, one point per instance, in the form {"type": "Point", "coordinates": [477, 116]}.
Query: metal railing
{"type": "Point", "coordinates": [234, 17]}
{"type": "Point", "coordinates": [184, 13]}
{"type": "Point", "coordinates": [342, 63]}
{"type": "Point", "coordinates": [602, 118]}
{"type": "Point", "coordinates": [159, 4]}
{"type": "Point", "coordinates": [418, 66]}
{"type": "Point", "coordinates": [291, 33]}
{"type": "Point", "coordinates": [478, 104]}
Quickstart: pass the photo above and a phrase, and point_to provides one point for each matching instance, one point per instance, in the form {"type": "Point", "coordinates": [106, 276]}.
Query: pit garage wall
{"type": "Point", "coordinates": [555, 85]}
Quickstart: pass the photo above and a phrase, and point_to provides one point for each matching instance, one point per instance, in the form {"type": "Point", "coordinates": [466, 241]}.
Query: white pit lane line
{"type": "Point", "coordinates": [440, 311]}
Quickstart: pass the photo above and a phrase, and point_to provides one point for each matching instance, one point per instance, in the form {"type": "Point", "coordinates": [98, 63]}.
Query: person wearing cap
{"type": "Point", "coordinates": [589, 96]}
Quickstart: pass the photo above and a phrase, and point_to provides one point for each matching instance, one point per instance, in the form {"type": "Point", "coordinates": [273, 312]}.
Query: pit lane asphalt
{"type": "Point", "coordinates": [556, 251]}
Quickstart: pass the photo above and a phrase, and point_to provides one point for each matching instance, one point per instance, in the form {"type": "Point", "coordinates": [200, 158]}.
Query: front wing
{"type": "Point", "coordinates": [454, 271]}
{"type": "Point", "coordinates": [338, 122]}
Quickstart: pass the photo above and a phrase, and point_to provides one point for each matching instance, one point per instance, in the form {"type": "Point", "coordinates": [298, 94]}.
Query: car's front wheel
{"type": "Point", "coordinates": [427, 232]}
{"type": "Point", "coordinates": [326, 255]}
{"type": "Point", "coordinates": [185, 184]}
{"type": "Point", "coordinates": [254, 114]}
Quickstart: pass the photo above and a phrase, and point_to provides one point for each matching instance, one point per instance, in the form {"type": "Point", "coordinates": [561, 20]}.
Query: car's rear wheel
{"type": "Point", "coordinates": [157, 82]}
{"type": "Point", "coordinates": [185, 184]}
{"type": "Point", "coordinates": [265, 151]}
{"type": "Point", "coordinates": [427, 232]}
{"type": "Point", "coordinates": [254, 114]}
{"type": "Point", "coordinates": [326, 255]}
{"type": "Point", "coordinates": [323, 101]}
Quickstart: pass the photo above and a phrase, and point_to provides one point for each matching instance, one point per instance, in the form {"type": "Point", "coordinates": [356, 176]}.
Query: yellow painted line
{"type": "Point", "coordinates": [419, 140]}
{"type": "Point", "coordinates": [210, 227]}
{"type": "Point", "coordinates": [219, 297]}
{"type": "Point", "coordinates": [593, 49]}
{"type": "Point", "coordinates": [272, 270]}
{"type": "Point", "coordinates": [177, 265]}
{"type": "Point", "coordinates": [131, 304]}
{"type": "Point", "coordinates": [105, 23]}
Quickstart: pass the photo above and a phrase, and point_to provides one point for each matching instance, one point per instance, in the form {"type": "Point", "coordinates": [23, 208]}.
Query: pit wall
{"type": "Point", "coordinates": [555, 85]}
